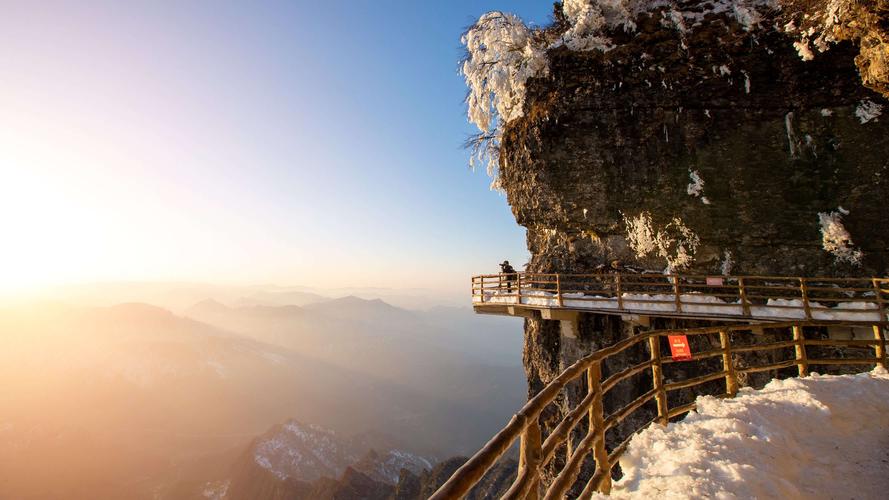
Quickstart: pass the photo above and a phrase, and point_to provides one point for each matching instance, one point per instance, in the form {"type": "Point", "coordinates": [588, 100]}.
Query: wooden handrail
{"type": "Point", "coordinates": [536, 452]}
{"type": "Point", "coordinates": [764, 298]}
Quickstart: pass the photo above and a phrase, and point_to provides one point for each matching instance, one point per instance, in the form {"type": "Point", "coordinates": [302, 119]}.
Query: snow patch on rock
{"type": "Point", "coordinates": [868, 110]}
{"type": "Point", "coordinates": [835, 238]}
{"type": "Point", "coordinates": [696, 186]}
{"type": "Point", "coordinates": [674, 242]}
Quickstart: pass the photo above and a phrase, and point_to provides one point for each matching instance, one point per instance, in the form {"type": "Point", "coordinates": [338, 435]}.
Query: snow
{"type": "Point", "coordinates": [307, 452]}
{"type": "Point", "coordinates": [868, 110]}
{"type": "Point", "coordinates": [820, 24]}
{"type": "Point", "coordinates": [802, 48]}
{"type": "Point", "coordinates": [746, 12]}
{"type": "Point", "coordinates": [814, 437]}
{"type": "Point", "coordinates": [640, 235]}
{"type": "Point", "coordinates": [589, 19]}
{"type": "Point", "coordinates": [390, 466]}
{"type": "Point", "coordinates": [216, 490]}
{"type": "Point", "coordinates": [691, 303]}
{"type": "Point", "coordinates": [727, 262]}
{"type": "Point", "coordinates": [503, 53]}
{"type": "Point", "coordinates": [501, 57]}
{"type": "Point", "coordinates": [675, 242]}
{"type": "Point", "coordinates": [263, 461]}
{"type": "Point", "coordinates": [835, 239]}
{"type": "Point", "coordinates": [696, 186]}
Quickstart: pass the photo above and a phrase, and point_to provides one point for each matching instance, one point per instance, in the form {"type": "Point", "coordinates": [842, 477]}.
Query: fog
{"type": "Point", "coordinates": [137, 400]}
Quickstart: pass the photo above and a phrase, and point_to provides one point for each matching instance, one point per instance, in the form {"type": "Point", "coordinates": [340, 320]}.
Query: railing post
{"type": "Point", "coordinates": [802, 361]}
{"type": "Point", "coordinates": [518, 288]}
{"type": "Point", "coordinates": [559, 290]}
{"type": "Point", "coordinates": [805, 293]}
{"type": "Point", "coordinates": [880, 346]}
{"type": "Point", "coordinates": [657, 378]}
{"type": "Point", "coordinates": [878, 296]}
{"type": "Point", "coordinates": [482, 288]}
{"type": "Point", "coordinates": [745, 305]}
{"type": "Point", "coordinates": [731, 380]}
{"type": "Point", "coordinates": [597, 425]}
{"type": "Point", "coordinates": [677, 292]}
{"type": "Point", "coordinates": [529, 455]}
{"type": "Point", "coordinates": [620, 298]}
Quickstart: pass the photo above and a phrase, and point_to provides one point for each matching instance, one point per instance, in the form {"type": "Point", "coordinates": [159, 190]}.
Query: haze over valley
{"type": "Point", "coordinates": [109, 401]}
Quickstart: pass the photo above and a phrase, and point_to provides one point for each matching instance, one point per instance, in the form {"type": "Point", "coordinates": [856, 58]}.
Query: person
{"type": "Point", "coordinates": [509, 274]}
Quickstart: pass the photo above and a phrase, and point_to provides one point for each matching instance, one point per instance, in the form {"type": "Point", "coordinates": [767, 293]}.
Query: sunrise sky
{"type": "Point", "coordinates": [311, 143]}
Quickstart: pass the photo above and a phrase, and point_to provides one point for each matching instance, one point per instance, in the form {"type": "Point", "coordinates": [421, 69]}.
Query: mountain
{"type": "Point", "coordinates": [280, 298]}
{"type": "Point", "coordinates": [462, 361]}
{"type": "Point", "coordinates": [135, 401]}
{"type": "Point", "coordinates": [297, 460]}
{"type": "Point", "coordinates": [178, 296]}
{"type": "Point", "coordinates": [307, 452]}
{"type": "Point", "coordinates": [387, 467]}
{"type": "Point", "coordinates": [359, 309]}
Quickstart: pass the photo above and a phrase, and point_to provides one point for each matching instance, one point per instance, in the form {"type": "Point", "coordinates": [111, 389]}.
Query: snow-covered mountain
{"type": "Point", "coordinates": [299, 460]}
{"type": "Point", "coordinates": [387, 467]}
{"type": "Point", "coordinates": [307, 452]}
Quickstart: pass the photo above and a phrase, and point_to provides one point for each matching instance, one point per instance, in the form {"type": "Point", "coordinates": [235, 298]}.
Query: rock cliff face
{"type": "Point", "coordinates": [711, 148]}
{"type": "Point", "coordinates": [734, 142]}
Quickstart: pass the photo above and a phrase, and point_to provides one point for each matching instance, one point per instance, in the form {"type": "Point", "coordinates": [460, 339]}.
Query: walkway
{"type": "Point", "coordinates": [740, 298]}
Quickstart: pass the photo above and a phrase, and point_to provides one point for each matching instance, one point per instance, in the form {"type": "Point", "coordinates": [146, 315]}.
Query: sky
{"type": "Point", "coordinates": [294, 143]}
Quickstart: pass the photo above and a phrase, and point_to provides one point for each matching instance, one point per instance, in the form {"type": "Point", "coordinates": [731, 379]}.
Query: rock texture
{"type": "Point", "coordinates": [775, 139]}
{"type": "Point", "coordinates": [864, 22]}
{"type": "Point", "coordinates": [608, 136]}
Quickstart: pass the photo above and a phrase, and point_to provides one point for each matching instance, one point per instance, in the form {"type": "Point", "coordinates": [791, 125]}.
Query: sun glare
{"type": "Point", "coordinates": [50, 232]}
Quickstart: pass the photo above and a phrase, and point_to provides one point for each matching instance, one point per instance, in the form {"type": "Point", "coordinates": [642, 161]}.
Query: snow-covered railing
{"type": "Point", "coordinates": [774, 298]}
{"type": "Point", "coordinates": [807, 345]}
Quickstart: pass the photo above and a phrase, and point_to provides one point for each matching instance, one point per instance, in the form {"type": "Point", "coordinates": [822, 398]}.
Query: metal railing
{"type": "Point", "coordinates": [744, 297]}
{"type": "Point", "coordinates": [537, 450]}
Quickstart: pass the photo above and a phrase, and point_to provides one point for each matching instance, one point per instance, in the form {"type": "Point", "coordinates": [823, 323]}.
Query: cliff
{"type": "Point", "coordinates": [697, 136]}
{"type": "Point", "coordinates": [720, 140]}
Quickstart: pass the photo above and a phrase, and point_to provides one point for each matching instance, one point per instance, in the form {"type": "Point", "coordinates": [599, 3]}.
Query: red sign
{"type": "Point", "coordinates": [714, 282]}
{"type": "Point", "coordinates": [679, 347]}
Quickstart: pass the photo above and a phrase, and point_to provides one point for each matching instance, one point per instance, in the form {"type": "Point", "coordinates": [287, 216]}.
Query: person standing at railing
{"type": "Point", "coordinates": [508, 274]}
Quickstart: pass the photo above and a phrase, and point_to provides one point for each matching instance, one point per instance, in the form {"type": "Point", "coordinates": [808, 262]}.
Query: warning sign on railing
{"type": "Point", "coordinates": [679, 348]}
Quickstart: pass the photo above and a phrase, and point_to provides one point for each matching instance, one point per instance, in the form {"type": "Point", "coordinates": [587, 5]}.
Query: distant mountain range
{"type": "Point", "coordinates": [177, 296]}
{"type": "Point", "coordinates": [133, 400]}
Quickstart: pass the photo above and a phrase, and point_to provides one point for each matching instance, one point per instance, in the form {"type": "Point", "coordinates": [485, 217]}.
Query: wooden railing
{"type": "Point", "coordinates": [744, 297]}
{"type": "Point", "coordinates": [537, 450]}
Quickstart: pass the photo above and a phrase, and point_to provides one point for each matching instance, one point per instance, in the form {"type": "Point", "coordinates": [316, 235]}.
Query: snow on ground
{"type": "Point", "coordinates": [815, 437]}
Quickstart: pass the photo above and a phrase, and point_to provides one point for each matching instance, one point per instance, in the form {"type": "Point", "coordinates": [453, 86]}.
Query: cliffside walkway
{"type": "Point", "coordinates": [601, 424]}
{"type": "Point", "coordinates": [736, 298]}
